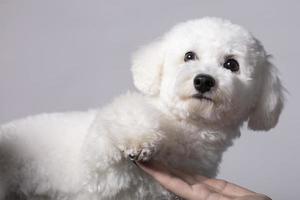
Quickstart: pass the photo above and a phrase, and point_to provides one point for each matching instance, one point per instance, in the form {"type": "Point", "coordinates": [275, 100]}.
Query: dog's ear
{"type": "Point", "coordinates": [269, 103]}
{"type": "Point", "coordinates": [147, 67]}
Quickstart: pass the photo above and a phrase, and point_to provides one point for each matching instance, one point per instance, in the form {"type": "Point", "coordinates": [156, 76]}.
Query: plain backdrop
{"type": "Point", "coordinates": [61, 55]}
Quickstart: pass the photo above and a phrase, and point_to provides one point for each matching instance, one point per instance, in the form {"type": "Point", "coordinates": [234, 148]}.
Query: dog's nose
{"type": "Point", "coordinates": [203, 83]}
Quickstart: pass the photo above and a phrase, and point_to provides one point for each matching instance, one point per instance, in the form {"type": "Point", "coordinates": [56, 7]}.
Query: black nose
{"type": "Point", "coordinates": [203, 82]}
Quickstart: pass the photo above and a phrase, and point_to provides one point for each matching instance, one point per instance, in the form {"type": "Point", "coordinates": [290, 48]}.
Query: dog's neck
{"type": "Point", "coordinates": [191, 138]}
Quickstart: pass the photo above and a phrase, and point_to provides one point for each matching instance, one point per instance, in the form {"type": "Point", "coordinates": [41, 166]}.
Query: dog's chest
{"type": "Point", "coordinates": [194, 149]}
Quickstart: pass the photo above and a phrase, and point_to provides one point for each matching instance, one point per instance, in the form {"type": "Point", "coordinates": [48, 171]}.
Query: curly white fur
{"type": "Point", "coordinates": [84, 155]}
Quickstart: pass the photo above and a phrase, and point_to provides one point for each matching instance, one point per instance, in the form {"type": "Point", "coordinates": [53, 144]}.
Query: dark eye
{"type": "Point", "coordinates": [231, 64]}
{"type": "Point", "coordinates": [190, 56]}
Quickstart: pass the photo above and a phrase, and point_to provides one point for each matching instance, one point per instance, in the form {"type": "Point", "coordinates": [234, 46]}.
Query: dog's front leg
{"type": "Point", "coordinates": [138, 136]}
{"type": "Point", "coordinates": [132, 125]}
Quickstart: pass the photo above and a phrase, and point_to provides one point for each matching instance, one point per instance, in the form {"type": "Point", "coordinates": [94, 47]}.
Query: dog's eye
{"type": "Point", "coordinates": [231, 64]}
{"type": "Point", "coordinates": [190, 56]}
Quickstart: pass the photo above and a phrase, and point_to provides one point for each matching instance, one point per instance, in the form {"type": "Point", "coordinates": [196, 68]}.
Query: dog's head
{"type": "Point", "coordinates": [213, 70]}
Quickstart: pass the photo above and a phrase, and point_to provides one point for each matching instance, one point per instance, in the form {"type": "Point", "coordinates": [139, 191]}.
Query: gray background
{"type": "Point", "coordinates": [60, 55]}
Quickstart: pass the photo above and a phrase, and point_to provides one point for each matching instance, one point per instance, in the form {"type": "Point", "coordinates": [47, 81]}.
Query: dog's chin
{"type": "Point", "coordinates": [197, 106]}
{"type": "Point", "coordinates": [211, 108]}
{"type": "Point", "coordinates": [207, 108]}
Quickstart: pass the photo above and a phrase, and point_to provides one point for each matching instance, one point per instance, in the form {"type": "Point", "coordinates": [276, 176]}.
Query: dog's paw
{"type": "Point", "coordinates": [141, 153]}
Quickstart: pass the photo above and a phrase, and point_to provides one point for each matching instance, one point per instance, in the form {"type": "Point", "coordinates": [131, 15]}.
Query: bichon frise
{"type": "Point", "coordinates": [199, 83]}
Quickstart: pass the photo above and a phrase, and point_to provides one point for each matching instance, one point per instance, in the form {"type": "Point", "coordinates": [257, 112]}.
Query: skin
{"type": "Point", "coordinates": [197, 187]}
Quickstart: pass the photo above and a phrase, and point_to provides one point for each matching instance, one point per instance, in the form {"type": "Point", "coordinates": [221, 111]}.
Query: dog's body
{"type": "Point", "coordinates": [190, 111]}
{"type": "Point", "coordinates": [61, 137]}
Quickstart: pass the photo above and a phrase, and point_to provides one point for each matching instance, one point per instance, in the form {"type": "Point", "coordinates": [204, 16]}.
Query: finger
{"type": "Point", "coordinates": [191, 180]}
{"type": "Point", "coordinates": [216, 196]}
{"type": "Point", "coordinates": [256, 197]}
{"type": "Point", "coordinates": [225, 187]}
{"type": "Point", "coordinates": [204, 192]}
{"type": "Point", "coordinates": [216, 185]}
{"type": "Point", "coordinates": [170, 182]}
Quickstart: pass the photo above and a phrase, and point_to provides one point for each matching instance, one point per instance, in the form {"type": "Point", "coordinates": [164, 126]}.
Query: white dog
{"type": "Point", "coordinates": [200, 82]}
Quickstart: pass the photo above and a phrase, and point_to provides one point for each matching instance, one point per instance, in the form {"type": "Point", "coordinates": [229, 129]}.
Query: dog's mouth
{"type": "Point", "coordinates": [202, 97]}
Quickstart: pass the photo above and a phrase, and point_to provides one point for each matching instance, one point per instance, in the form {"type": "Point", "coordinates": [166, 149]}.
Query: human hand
{"type": "Point", "coordinates": [198, 187]}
